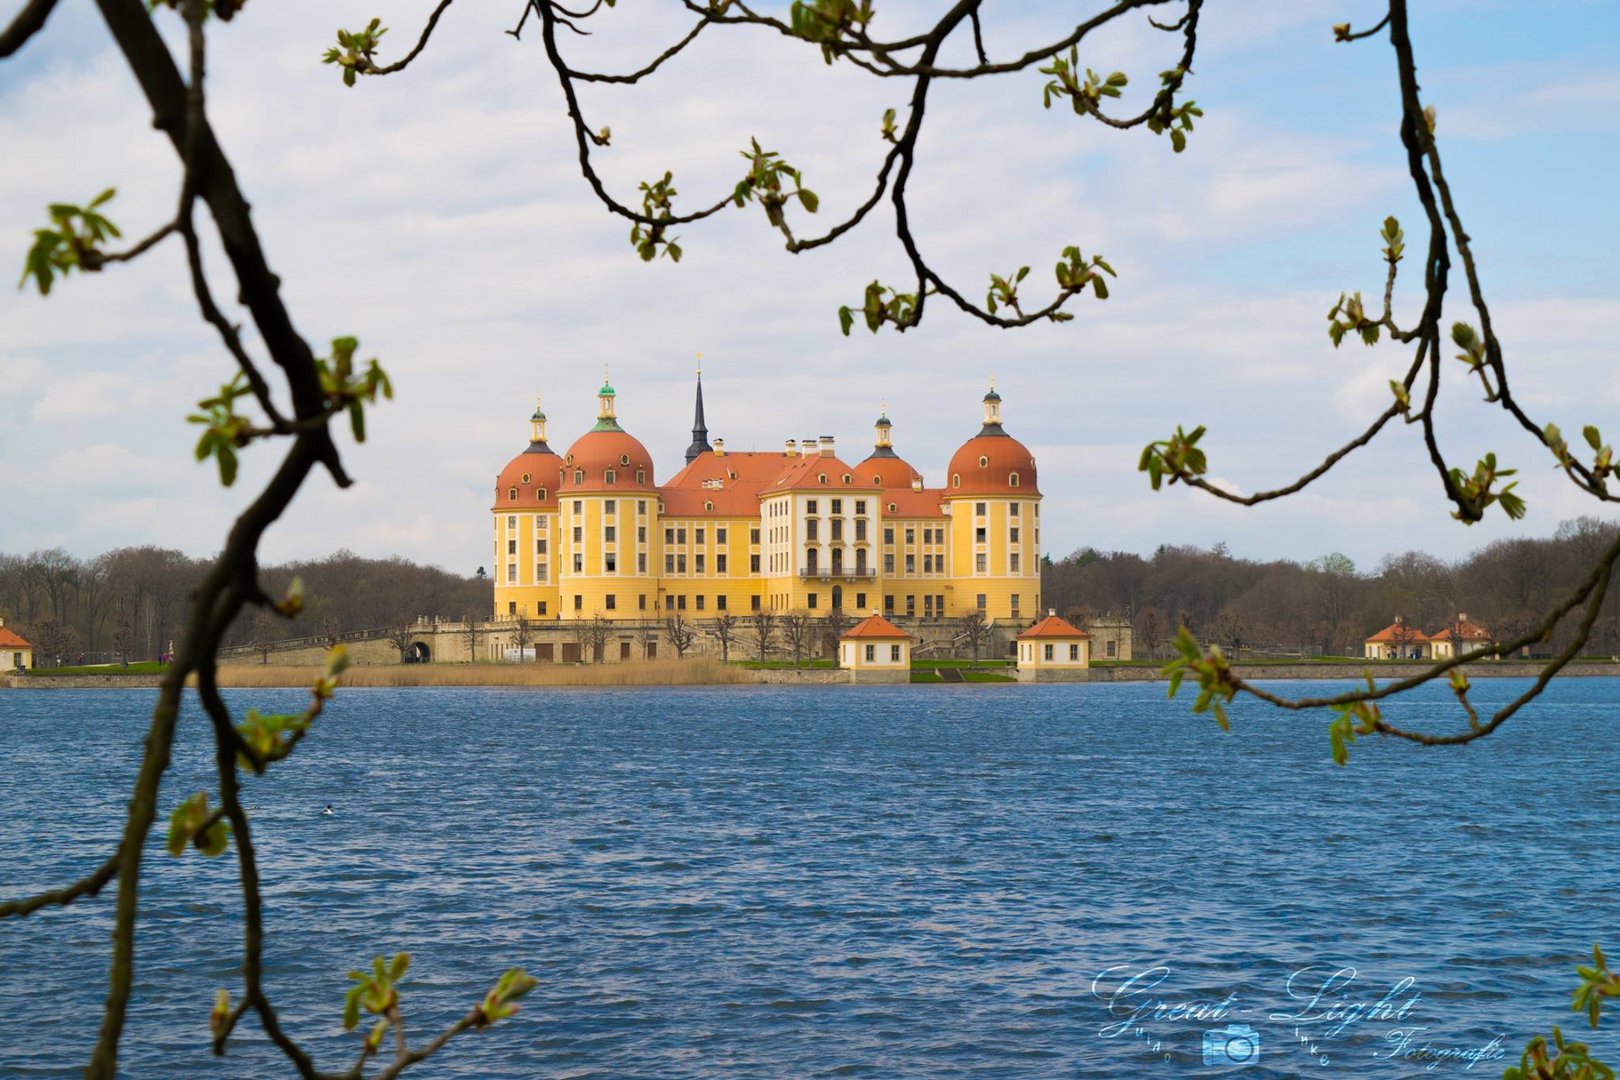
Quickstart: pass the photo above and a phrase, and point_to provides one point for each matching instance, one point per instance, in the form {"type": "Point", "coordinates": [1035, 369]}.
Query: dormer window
{"type": "Point", "coordinates": [540, 494]}
{"type": "Point", "coordinates": [579, 476]}
{"type": "Point", "coordinates": [848, 478]}
{"type": "Point", "coordinates": [624, 459]}
{"type": "Point", "coordinates": [821, 477]}
{"type": "Point", "coordinates": [525, 478]}
{"type": "Point", "coordinates": [1013, 480]}
{"type": "Point", "coordinates": [608, 476]}
{"type": "Point", "coordinates": [511, 494]}
{"type": "Point", "coordinates": [891, 508]}
{"type": "Point", "coordinates": [984, 462]}
{"type": "Point", "coordinates": [641, 476]}
{"type": "Point", "coordinates": [877, 481]}
{"type": "Point", "coordinates": [956, 480]}
{"type": "Point", "coordinates": [709, 506]}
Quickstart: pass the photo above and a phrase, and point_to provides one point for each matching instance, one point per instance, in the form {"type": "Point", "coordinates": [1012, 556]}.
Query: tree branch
{"type": "Point", "coordinates": [89, 885]}
{"type": "Point", "coordinates": [27, 22]}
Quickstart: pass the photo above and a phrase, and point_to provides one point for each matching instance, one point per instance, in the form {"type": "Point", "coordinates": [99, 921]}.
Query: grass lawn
{"type": "Point", "coordinates": [143, 667]}
{"type": "Point", "coordinates": [787, 665]}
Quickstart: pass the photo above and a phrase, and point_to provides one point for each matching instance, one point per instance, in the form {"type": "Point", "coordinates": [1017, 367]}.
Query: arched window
{"type": "Point", "coordinates": [848, 478]}
{"type": "Point", "coordinates": [891, 508]}
{"type": "Point", "coordinates": [708, 505]}
{"type": "Point", "coordinates": [1013, 480]}
{"type": "Point", "coordinates": [956, 480]}
{"type": "Point", "coordinates": [608, 476]}
{"type": "Point", "coordinates": [641, 476]}
{"type": "Point", "coordinates": [511, 494]}
{"type": "Point", "coordinates": [540, 493]}
{"type": "Point", "coordinates": [579, 476]}
{"type": "Point", "coordinates": [822, 477]}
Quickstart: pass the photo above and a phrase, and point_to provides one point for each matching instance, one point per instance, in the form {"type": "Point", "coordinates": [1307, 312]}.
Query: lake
{"type": "Point", "coordinates": [1078, 880]}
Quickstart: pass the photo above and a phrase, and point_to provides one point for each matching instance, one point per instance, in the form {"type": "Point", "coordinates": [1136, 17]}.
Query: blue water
{"type": "Point", "coordinates": [786, 882]}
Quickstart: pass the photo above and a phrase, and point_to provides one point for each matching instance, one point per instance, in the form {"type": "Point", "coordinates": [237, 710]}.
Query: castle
{"type": "Point", "coordinates": [591, 533]}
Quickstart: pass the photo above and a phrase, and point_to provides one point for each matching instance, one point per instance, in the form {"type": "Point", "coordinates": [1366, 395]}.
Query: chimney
{"type": "Point", "coordinates": [1462, 616]}
{"type": "Point", "coordinates": [916, 483]}
{"type": "Point", "coordinates": [1050, 612]}
{"type": "Point", "coordinates": [719, 448]}
{"type": "Point", "coordinates": [791, 449]}
{"type": "Point", "coordinates": [826, 446]}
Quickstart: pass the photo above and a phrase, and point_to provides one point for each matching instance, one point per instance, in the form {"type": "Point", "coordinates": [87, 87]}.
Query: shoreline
{"type": "Point", "coordinates": [703, 672]}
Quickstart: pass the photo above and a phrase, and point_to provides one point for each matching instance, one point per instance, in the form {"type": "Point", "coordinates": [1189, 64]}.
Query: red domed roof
{"type": "Point", "coordinates": [529, 481]}
{"type": "Point", "coordinates": [602, 451]}
{"type": "Point", "coordinates": [991, 465]}
{"type": "Point", "coordinates": [886, 470]}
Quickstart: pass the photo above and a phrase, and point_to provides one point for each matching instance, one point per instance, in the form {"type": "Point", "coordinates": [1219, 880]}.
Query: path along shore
{"type": "Point", "coordinates": [715, 673]}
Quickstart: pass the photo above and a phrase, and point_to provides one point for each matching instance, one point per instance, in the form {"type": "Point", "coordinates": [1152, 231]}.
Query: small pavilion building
{"type": "Point", "coordinates": [1460, 638]}
{"type": "Point", "coordinates": [15, 653]}
{"type": "Point", "coordinates": [1400, 640]}
{"type": "Point", "coordinates": [1053, 650]}
{"type": "Point", "coordinates": [875, 650]}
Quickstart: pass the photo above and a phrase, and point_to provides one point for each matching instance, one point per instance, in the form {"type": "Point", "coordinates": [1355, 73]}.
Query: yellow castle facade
{"type": "Point", "coordinates": [591, 533]}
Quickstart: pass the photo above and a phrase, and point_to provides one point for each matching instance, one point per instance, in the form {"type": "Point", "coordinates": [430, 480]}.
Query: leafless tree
{"type": "Point", "coordinates": [973, 631]}
{"type": "Point", "coordinates": [680, 633]}
{"type": "Point", "coordinates": [522, 635]}
{"type": "Point", "coordinates": [123, 640]}
{"type": "Point", "coordinates": [399, 636]}
{"type": "Point", "coordinates": [597, 632]}
{"type": "Point", "coordinates": [763, 625]}
{"type": "Point", "coordinates": [798, 627]}
{"type": "Point", "coordinates": [470, 630]}
{"type": "Point", "coordinates": [725, 631]}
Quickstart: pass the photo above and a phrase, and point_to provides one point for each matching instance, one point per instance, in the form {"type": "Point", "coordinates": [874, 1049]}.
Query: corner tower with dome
{"type": "Point", "coordinates": [592, 534]}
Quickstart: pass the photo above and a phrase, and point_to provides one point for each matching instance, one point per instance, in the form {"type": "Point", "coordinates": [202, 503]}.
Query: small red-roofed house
{"type": "Point", "coordinates": [1458, 638]}
{"type": "Point", "coordinates": [875, 650]}
{"type": "Point", "coordinates": [1400, 640]}
{"type": "Point", "coordinates": [1054, 649]}
{"type": "Point", "coordinates": [15, 653]}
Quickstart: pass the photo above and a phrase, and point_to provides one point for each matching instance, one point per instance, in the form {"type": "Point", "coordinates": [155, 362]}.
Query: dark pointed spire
{"type": "Point", "coordinates": [700, 433]}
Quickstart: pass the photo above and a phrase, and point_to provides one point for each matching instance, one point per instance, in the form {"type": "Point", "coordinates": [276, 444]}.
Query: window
{"type": "Point", "coordinates": [699, 560]}
{"type": "Point", "coordinates": [1012, 564]}
{"type": "Point", "coordinates": [540, 546]}
{"type": "Point", "coordinates": [511, 573]}
{"type": "Point", "coordinates": [610, 563]}
{"type": "Point", "coordinates": [608, 476]}
{"type": "Point", "coordinates": [579, 563]}
{"type": "Point", "coordinates": [624, 459]}
{"type": "Point", "coordinates": [719, 564]}
{"type": "Point", "coordinates": [720, 602]}
{"type": "Point", "coordinates": [753, 603]}
{"type": "Point", "coordinates": [888, 536]}
{"type": "Point", "coordinates": [837, 528]}
{"type": "Point", "coordinates": [810, 528]}
{"type": "Point", "coordinates": [821, 477]}
{"type": "Point", "coordinates": [1012, 509]}
{"type": "Point", "coordinates": [860, 530]}
{"type": "Point", "coordinates": [525, 478]}
{"type": "Point", "coordinates": [888, 564]}
{"type": "Point", "coordinates": [697, 536]}
{"type": "Point", "coordinates": [894, 654]}
{"type": "Point", "coordinates": [1012, 534]}
{"type": "Point", "coordinates": [956, 480]}
{"type": "Point", "coordinates": [871, 653]}
{"type": "Point", "coordinates": [978, 508]}
{"type": "Point", "coordinates": [539, 571]}
{"type": "Point", "coordinates": [669, 564]}
{"type": "Point", "coordinates": [511, 522]}
{"type": "Point", "coordinates": [838, 506]}
{"type": "Point", "coordinates": [680, 602]}
{"type": "Point", "coordinates": [753, 564]}
{"type": "Point", "coordinates": [579, 603]}
{"type": "Point", "coordinates": [700, 601]}
{"type": "Point", "coordinates": [579, 534]}
{"type": "Point", "coordinates": [860, 507]}
{"type": "Point", "coordinates": [719, 534]}
{"type": "Point", "coordinates": [911, 606]}
{"type": "Point", "coordinates": [1111, 649]}
{"type": "Point", "coordinates": [981, 602]}
{"type": "Point", "coordinates": [579, 506]}
{"type": "Point", "coordinates": [680, 563]}
{"type": "Point", "coordinates": [641, 601]}
{"type": "Point", "coordinates": [669, 536]}
{"type": "Point", "coordinates": [810, 600]}
{"type": "Point", "coordinates": [911, 537]}
{"type": "Point", "coordinates": [511, 547]}
{"type": "Point", "coordinates": [911, 564]}
{"type": "Point", "coordinates": [641, 534]}
{"type": "Point", "coordinates": [928, 564]}
{"type": "Point", "coordinates": [860, 601]}
{"type": "Point", "coordinates": [1047, 651]}
{"type": "Point", "coordinates": [680, 536]}
{"type": "Point", "coordinates": [928, 605]}
{"type": "Point", "coordinates": [979, 563]}
{"type": "Point", "coordinates": [540, 605]}
{"type": "Point", "coordinates": [540, 496]}
{"type": "Point", "coordinates": [641, 504]}
{"type": "Point", "coordinates": [1074, 652]}
{"type": "Point", "coordinates": [610, 533]}
{"type": "Point", "coordinates": [511, 494]}
{"type": "Point", "coordinates": [1012, 480]}
{"type": "Point", "coordinates": [978, 535]}
{"type": "Point", "coordinates": [612, 602]}
{"type": "Point", "coordinates": [810, 505]}
{"type": "Point", "coordinates": [984, 462]}
{"type": "Point", "coordinates": [753, 536]}
{"type": "Point", "coordinates": [641, 476]}
{"type": "Point", "coordinates": [579, 478]}
{"type": "Point", "coordinates": [539, 522]}
{"type": "Point", "coordinates": [888, 605]}
{"type": "Point", "coordinates": [610, 506]}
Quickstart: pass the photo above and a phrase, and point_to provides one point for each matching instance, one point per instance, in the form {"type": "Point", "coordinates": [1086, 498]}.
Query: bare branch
{"type": "Point", "coordinates": [85, 886]}
{"type": "Point", "coordinates": [27, 22]}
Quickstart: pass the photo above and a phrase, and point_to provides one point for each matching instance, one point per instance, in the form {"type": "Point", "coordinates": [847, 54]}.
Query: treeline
{"type": "Point", "coordinates": [1328, 605]}
{"type": "Point", "coordinates": [132, 603]}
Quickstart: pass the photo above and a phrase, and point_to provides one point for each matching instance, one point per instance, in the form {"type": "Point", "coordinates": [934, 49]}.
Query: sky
{"type": "Point", "coordinates": [439, 216]}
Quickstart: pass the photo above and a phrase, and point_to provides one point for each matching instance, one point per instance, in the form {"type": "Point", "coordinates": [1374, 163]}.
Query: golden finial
{"type": "Point", "coordinates": [992, 380]}
{"type": "Point", "coordinates": [700, 365]}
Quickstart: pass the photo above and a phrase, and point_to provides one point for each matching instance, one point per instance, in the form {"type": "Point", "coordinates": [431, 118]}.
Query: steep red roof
{"type": "Point", "coordinates": [1053, 627]}
{"type": "Point", "coordinates": [806, 473]}
{"type": "Point", "coordinates": [730, 482]}
{"type": "Point", "coordinates": [1403, 633]}
{"type": "Point", "coordinates": [1467, 631]}
{"type": "Point", "coordinates": [12, 641]}
{"type": "Point", "coordinates": [875, 626]}
{"type": "Point", "coordinates": [927, 503]}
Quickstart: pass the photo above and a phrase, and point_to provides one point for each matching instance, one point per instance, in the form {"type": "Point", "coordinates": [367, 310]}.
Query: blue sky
{"type": "Point", "coordinates": [438, 216]}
